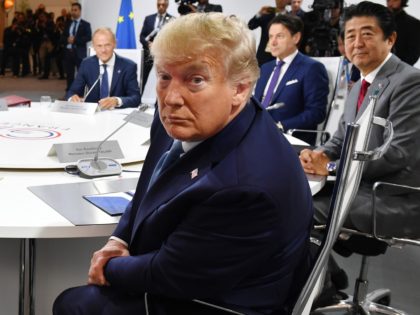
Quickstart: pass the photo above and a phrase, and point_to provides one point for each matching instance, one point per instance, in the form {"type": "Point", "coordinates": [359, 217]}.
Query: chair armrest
{"type": "Point", "coordinates": [397, 188]}
{"type": "Point", "coordinates": [325, 135]}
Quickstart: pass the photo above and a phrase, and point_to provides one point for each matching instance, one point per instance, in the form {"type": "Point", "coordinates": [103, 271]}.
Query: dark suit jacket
{"type": "Point", "coordinates": [228, 222]}
{"type": "Point", "coordinates": [124, 81]}
{"type": "Point", "coordinates": [262, 21]}
{"type": "Point", "coordinates": [213, 8]}
{"type": "Point", "coordinates": [82, 37]}
{"type": "Point", "coordinates": [148, 27]}
{"type": "Point", "coordinates": [303, 90]}
{"type": "Point", "coordinates": [407, 46]}
{"type": "Point", "coordinates": [398, 101]}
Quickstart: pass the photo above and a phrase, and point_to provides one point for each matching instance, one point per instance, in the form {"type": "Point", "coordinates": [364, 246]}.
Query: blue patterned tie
{"type": "Point", "coordinates": [104, 84]}
{"type": "Point", "coordinates": [73, 28]}
{"type": "Point", "coordinates": [273, 84]}
{"type": "Point", "coordinates": [166, 160]}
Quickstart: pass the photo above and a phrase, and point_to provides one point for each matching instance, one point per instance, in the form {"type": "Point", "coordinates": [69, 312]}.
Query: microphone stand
{"type": "Point", "coordinates": [98, 164]}
{"type": "Point", "coordinates": [98, 167]}
{"type": "Point", "coordinates": [93, 85]}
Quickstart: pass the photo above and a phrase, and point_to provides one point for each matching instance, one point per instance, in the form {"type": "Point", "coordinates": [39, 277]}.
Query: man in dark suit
{"type": "Point", "coordinates": [205, 6]}
{"type": "Point", "coordinates": [369, 37]}
{"type": "Point", "coordinates": [296, 8]}
{"type": "Point", "coordinates": [262, 20]}
{"type": "Point", "coordinates": [407, 46]}
{"type": "Point", "coordinates": [151, 26]}
{"type": "Point", "coordinates": [111, 80]}
{"type": "Point", "coordinates": [76, 35]}
{"type": "Point", "coordinates": [228, 220]}
{"type": "Point", "coordinates": [301, 83]}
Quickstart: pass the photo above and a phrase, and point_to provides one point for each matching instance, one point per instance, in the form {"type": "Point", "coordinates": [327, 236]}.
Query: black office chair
{"type": "Point", "coordinates": [353, 156]}
{"type": "Point", "coordinates": [368, 245]}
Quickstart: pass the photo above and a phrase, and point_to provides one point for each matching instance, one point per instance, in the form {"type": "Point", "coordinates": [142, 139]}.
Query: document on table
{"type": "Point", "coordinates": [112, 203]}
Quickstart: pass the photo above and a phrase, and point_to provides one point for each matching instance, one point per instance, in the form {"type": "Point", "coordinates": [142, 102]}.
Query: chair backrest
{"type": "Point", "coordinates": [334, 67]}
{"type": "Point", "coordinates": [353, 156]}
{"type": "Point", "coordinates": [135, 55]}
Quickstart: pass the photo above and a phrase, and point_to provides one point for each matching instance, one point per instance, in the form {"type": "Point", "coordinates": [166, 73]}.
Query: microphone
{"type": "Point", "coordinates": [101, 73]}
{"type": "Point", "coordinates": [99, 167]}
{"type": "Point", "coordinates": [152, 33]}
{"type": "Point", "coordinates": [275, 106]}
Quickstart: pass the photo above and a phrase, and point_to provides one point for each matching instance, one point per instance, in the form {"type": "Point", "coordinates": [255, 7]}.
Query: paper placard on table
{"type": "Point", "coordinates": [72, 152]}
{"type": "Point", "coordinates": [83, 108]}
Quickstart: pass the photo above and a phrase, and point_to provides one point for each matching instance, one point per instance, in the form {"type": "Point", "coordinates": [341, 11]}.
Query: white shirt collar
{"type": "Point", "coordinates": [372, 75]}
{"type": "Point", "coordinates": [289, 59]}
{"type": "Point", "coordinates": [110, 62]}
{"type": "Point", "coordinates": [189, 145]}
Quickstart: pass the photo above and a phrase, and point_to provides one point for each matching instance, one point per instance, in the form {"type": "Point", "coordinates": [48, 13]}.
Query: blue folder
{"type": "Point", "coordinates": [111, 204]}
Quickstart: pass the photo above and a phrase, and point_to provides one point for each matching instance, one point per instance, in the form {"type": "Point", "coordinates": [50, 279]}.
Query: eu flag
{"type": "Point", "coordinates": [126, 37]}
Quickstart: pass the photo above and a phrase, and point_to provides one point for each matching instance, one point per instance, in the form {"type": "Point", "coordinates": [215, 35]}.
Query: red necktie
{"type": "Point", "coordinates": [362, 93]}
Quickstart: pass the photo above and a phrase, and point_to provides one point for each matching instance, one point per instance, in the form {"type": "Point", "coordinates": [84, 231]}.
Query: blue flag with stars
{"type": "Point", "coordinates": [126, 37]}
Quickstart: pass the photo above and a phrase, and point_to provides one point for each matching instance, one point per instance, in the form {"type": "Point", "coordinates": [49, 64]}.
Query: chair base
{"type": "Point", "coordinates": [369, 306]}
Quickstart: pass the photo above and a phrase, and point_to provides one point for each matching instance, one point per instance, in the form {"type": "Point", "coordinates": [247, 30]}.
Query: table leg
{"type": "Point", "coordinates": [26, 274]}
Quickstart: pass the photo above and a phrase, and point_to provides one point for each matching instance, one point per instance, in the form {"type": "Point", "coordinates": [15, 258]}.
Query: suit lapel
{"type": "Point", "coordinates": [94, 74]}
{"type": "Point", "coordinates": [116, 74]}
{"type": "Point", "coordinates": [194, 165]}
{"type": "Point", "coordinates": [379, 84]}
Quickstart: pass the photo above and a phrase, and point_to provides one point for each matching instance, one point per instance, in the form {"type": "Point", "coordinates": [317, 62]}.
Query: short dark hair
{"type": "Point", "coordinates": [404, 3]}
{"type": "Point", "coordinates": [77, 4]}
{"type": "Point", "coordinates": [293, 23]}
{"type": "Point", "coordinates": [384, 16]}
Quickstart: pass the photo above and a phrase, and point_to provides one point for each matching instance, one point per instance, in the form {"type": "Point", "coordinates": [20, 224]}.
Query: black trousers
{"type": "Point", "coordinates": [71, 63]}
{"type": "Point", "coordinates": [95, 300]}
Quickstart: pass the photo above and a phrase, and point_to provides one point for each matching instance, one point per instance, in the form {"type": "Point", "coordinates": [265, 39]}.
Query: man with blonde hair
{"type": "Point", "coordinates": [210, 219]}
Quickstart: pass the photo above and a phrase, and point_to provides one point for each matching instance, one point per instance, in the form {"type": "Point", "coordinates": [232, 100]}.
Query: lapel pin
{"type": "Point", "coordinates": [194, 173]}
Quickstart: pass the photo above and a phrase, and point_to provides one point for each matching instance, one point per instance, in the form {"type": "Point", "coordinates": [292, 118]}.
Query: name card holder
{"type": "Point", "coordinates": [72, 152]}
{"type": "Point", "coordinates": [83, 108]}
{"type": "Point", "coordinates": [140, 118]}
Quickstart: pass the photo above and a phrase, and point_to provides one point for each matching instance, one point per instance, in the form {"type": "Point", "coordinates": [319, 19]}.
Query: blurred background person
{"type": "Point", "coordinates": [296, 8]}
{"type": "Point", "coordinates": [151, 26]}
{"type": "Point", "coordinates": [407, 46]}
{"type": "Point", "coordinates": [262, 20]}
{"type": "Point", "coordinates": [322, 26]}
{"type": "Point", "coordinates": [76, 35]}
{"type": "Point", "coordinates": [205, 6]}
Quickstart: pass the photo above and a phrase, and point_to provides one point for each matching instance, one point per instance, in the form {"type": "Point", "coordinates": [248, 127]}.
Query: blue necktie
{"type": "Point", "coordinates": [74, 28]}
{"type": "Point", "coordinates": [166, 160]}
{"type": "Point", "coordinates": [104, 84]}
{"type": "Point", "coordinates": [273, 84]}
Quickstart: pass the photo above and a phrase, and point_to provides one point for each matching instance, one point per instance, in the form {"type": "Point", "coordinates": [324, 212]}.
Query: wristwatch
{"type": "Point", "coordinates": [331, 167]}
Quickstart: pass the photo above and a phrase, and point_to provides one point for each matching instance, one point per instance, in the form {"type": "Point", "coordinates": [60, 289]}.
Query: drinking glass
{"type": "Point", "coordinates": [45, 101]}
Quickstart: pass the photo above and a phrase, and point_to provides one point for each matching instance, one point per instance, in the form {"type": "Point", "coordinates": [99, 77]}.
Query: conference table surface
{"type": "Point", "coordinates": [23, 214]}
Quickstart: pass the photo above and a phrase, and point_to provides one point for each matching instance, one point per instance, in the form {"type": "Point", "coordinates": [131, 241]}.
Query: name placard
{"type": "Point", "coordinates": [83, 108]}
{"type": "Point", "coordinates": [140, 118]}
{"type": "Point", "coordinates": [72, 152]}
